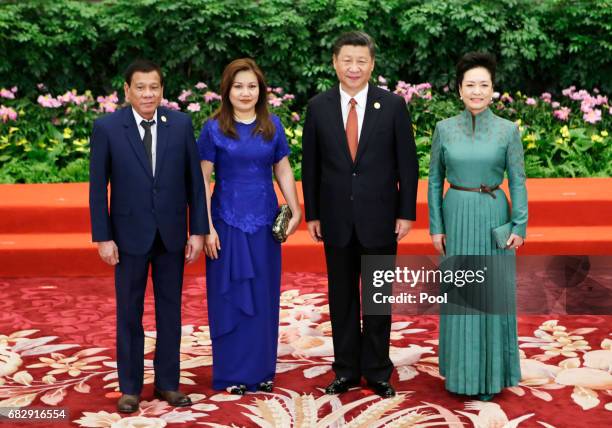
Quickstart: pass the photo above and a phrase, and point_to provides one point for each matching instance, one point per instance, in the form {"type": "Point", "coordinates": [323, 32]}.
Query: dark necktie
{"type": "Point", "coordinates": [351, 129]}
{"type": "Point", "coordinates": [148, 139]}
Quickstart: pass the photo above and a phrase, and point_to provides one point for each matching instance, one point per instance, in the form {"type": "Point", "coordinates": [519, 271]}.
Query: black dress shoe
{"type": "Point", "coordinates": [128, 403]}
{"type": "Point", "coordinates": [237, 389]}
{"type": "Point", "coordinates": [340, 385]}
{"type": "Point", "coordinates": [174, 398]}
{"type": "Point", "coordinates": [384, 389]}
{"type": "Point", "coordinates": [266, 386]}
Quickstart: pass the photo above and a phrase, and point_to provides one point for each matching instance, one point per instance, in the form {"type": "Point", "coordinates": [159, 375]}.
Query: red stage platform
{"type": "Point", "coordinates": [44, 228]}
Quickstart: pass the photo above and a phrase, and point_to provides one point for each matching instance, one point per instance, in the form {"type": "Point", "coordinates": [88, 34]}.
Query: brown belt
{"type": "Point", "coordinates": [481, 189]}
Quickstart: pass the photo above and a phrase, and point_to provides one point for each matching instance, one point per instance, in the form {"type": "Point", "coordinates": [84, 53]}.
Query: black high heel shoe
{"type": "Point", "coordinates": [237, 389]}
{"type": "Point", "coordinates": [265, 386]}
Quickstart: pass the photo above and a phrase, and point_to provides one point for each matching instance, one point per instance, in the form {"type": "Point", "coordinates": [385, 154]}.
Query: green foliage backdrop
{"type": "Point", "coordinates": [541, 44]}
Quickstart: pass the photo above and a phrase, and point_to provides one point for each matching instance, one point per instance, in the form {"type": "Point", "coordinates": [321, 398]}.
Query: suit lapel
{"type": "Point", "coordinates": [133, 136]}
{"type": "Point", "coordinates": [162, 139]}
{"type": "Point", "coordinates": [369, 121]}
{"type": "Point", "coordinates": [336, 121]}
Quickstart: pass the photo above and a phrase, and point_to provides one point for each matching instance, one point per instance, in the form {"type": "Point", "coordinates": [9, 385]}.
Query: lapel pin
{"type": "Point", "coordinates": [376, 105]}
{"type": "Point", "coordinates": [163, 119]}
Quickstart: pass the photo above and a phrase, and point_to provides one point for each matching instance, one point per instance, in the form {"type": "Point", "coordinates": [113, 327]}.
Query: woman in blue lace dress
{"type": "Point", "coordinates": [243, 143]}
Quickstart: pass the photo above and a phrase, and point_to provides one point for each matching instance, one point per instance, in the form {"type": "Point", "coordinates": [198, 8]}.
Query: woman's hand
{"type": "Point", "coordinates": [212, 244]}
{"type": "Point", "coordinates": [514, 241]}
{"type": "Point", "coordinates": [439, 243]}
{"type": "Point", "coordinates": [294, 222]}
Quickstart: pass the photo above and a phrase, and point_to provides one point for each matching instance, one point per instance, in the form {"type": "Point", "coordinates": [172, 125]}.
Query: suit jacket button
{"type": "Point", "coordinates": [351, 197]}
{"type": "Point", "coordinates": [354, 174]}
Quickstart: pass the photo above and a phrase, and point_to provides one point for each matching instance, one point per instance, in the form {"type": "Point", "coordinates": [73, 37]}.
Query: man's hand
{"type": "Point", "coordinates": [109, 252]}
{"type": "Point", "coordinates": [314, 228]}
{"type": "Point", "coordinates": [193, 248]}
{"type": "Point", "coordinates": [402, 227]}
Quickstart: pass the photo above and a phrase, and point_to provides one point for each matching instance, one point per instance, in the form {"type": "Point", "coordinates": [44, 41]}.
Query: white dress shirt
{"type": "Point", "coordinates": [141, 131]}
{"type": "Point", "coordinates": [361, 97]}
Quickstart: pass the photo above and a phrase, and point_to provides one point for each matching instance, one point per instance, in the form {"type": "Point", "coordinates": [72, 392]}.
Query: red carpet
{"type": "Point", "coordinates": [57, 349]}
{"type": "Point", "coordinates": [44, 228]}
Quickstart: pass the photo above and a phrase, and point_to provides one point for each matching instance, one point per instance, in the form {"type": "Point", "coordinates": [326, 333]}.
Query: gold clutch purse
{"type": "Point", "coordinates": [281, 223]}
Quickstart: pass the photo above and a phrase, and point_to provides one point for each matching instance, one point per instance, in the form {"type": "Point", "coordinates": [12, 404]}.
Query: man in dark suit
{"type": "Point", "coordinates": [149, 156]}
{"type": "Point", "coordinates": [359, 175]}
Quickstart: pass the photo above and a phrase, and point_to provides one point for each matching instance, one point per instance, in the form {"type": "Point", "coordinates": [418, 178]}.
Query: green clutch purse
{"type": "Point", "coordinates": [501, 234]}
{"type": "Point", "coordinates": [281, 223]}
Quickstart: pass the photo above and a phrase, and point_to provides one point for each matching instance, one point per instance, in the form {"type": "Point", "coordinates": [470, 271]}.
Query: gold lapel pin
{"type": "Point", "coordinates": [163, 119]}
{"type": "Point", "coordinates": [376, 105]}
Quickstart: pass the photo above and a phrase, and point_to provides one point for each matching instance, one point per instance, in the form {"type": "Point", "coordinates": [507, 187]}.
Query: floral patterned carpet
{"type": "Point", "coordinates": [57, 351]}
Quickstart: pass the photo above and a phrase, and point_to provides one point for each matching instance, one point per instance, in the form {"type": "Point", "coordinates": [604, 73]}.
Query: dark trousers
{"type": "Point", "coordinates": [357, 352]}
{"type": "Point", "coordinates": [130, 284]}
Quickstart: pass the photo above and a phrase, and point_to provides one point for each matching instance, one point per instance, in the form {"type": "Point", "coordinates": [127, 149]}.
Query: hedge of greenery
{"type": "Point", "coordinates": [45, 138]}
{"type": "Point", "coordinates": [65, 44]}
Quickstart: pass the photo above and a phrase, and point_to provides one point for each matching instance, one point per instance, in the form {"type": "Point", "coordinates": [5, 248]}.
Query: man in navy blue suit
{"type": "Point", "coordinates": [149, 156]}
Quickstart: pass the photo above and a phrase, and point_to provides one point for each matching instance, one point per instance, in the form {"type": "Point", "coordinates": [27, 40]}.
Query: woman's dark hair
{"type": "Point", "coordinates": [225, 113]}
{"type": "Point", "coordinates": [473, 60]}
{"type": "Point", "coordinates": [144, 66]}
{"type": "Point", "coordinates": [354, 38]}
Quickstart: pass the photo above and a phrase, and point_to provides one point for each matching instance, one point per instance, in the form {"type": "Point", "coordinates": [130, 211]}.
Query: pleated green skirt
{"type": "Point", "coordinates": [478, 353]}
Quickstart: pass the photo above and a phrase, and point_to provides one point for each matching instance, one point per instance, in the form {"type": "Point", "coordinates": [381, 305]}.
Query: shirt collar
{"type": "Point", "coordinates": [361, 97]}
{"type": "Point", "coordinates": [139, 118]}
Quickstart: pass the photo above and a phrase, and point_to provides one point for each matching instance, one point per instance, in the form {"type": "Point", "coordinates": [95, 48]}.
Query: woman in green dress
{"type": "Point", "coordinates": [478, 353]}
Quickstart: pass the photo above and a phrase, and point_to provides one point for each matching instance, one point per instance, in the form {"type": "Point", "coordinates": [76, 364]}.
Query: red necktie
{"type": "Point", "coordinates": [351, 129]}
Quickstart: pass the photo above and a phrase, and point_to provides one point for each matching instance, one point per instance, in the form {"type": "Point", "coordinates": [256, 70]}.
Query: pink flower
{"type": "Point", "coordinates": [184, 95]}
{"type": "Point", "coordinates": [446, 88]}
{"type": "Point", "coordinates": [568, 91]}
{"type": "Point", "coordinates": [41, 87]}
{"type": "Point", "coordinates": [278, 90]}
{"type": "Point", "coordinates": [562, 114]}
{"type": "Point", "coordinates": [580, 95]}
{"type": "Point", "coordinates": [593, 116]}
{"type": "Point", "coordinates": [14, 89]}
{"type": "Point", "coordinates": [48, 101]}
{"type": "Point", "coordinates": [382, 80]}
{"type": "Point", "coordinates": [546, 97]}
{"type": "Point", "coordinates": [201, 85]}
{"type": "Point", "coordinates": [555, 104]}
{"type": "Point", "coordinates": [288, 97]}
{"type": "Point", "coordinates": [610, 110]}
{"type": "Point", "coordinates": [274, 101]}
{"type": "Point", "coordinates": [596, 90]}
{"type": "Point", "coordinates": [7, 113]}
{"type": "Point", "coordinates": [170, 105]}
{"type": "Point", "coordinates": [72, 97]}
{"type": "Point", "coordinates": [530, 102]}
{"type": "Point", "coordinates": [496, 95]}
{"type": "Point", "coordinates": [108, 104]}
{"type": "Point", "coordinates": [295, 117]}
{"type": "Point", "coordinates": [506, 98]}
{"type": "Point", "coordinates": [193, 107]}
{"type": "Point", "coordinates": [423, 86]}
{"type": "Point", "coordinates": [5, 93]}
{"type": "Point", "coordinates": [211, 96]}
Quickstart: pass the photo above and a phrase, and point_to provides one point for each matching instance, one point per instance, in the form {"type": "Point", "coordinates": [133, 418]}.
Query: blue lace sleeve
{"type": "Point", "coordinates": [280, 140]}
{"type": "Point", "coordinates": [206, 144]}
